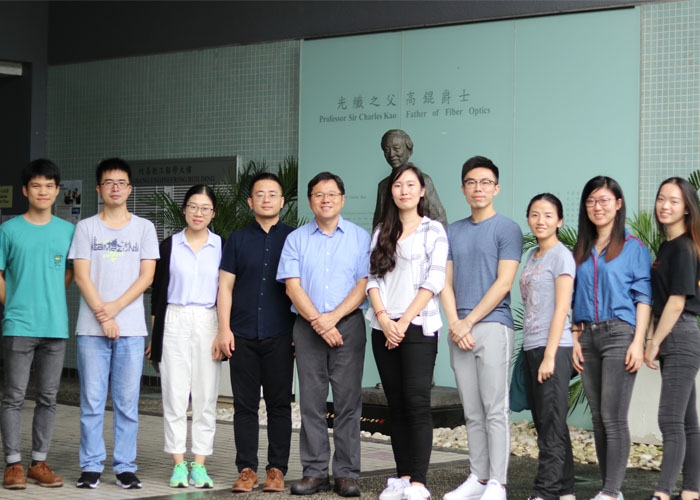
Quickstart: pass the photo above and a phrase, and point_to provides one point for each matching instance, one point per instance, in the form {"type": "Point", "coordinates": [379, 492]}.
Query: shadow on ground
{"type": "Point", "coordinates": [638, 483]}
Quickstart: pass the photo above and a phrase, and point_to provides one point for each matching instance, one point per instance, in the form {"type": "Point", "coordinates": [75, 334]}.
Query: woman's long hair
{"type": "Point", "coordinates": [383, 257]}
{"type": "Point", "coordinates": [587, 231]}
{"type": "Point", "coordinates": [692, 210]}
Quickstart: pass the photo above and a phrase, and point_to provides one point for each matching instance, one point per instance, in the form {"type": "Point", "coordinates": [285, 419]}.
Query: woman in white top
{"type": "Point", "coordinates": [183, 305]}
{"type": "Point", "coordinates": [407, 272]}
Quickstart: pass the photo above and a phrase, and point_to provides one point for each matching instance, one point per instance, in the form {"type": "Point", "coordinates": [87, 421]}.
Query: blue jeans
{"type": "Point", "coordinates": [679, 357]}
{"type": "Point", "coordinates": [18, 354]}
{"type": "Point", "coordinates": [116, 364]}
{"type": "Point", "coordinates": [608, 387]}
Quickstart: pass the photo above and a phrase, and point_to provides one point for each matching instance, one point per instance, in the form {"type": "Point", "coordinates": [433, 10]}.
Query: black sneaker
{"type": "Point", "coordinates": [128, 480]}
{"type": "Point", "coordinates": [88, 480]}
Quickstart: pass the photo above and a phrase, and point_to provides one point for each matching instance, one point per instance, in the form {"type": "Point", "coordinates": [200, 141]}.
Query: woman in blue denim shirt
{"type": "Point", "coordinates": [612, 297]}
{"type": "Point", "coordinates": [675, 340]}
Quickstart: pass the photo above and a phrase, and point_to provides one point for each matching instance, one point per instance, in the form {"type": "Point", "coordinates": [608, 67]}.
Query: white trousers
{"type": "Point", "coordinates": [186, 368]}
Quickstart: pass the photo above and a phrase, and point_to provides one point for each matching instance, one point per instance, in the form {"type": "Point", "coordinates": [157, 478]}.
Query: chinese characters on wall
{"type": "Point", "coordinates": [413, 104]}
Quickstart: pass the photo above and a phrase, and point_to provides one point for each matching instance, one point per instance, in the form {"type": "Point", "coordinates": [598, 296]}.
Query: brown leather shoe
{"type": "Point", "coordinates": [274, 480]}
{"type": "Point", "coordinates": [42, 475]}
{"type": "Point", "coordinates": [14, 478]}
{"type": "Point", "coordinates": [310, 485]}
{"type": "Point", "coordinates": [346, 487]}
{"type": "Point", "coordinates": [247, 480]}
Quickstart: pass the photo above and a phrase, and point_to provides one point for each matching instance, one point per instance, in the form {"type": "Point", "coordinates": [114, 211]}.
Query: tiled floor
{"type": "Point", "coordinates": [155, 466]}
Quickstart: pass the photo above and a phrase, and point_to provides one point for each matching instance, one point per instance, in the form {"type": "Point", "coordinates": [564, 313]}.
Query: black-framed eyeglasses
{"type": "Point", "coordinates": [110, 183]}
{"type": "Point", "coordinates": [484, 183]}
{"type": "Point", "coordinates": [603, 202]}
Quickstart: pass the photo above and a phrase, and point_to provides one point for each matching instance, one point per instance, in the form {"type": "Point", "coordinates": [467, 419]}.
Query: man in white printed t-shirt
{"type": "Point", "coordinates": [114, 257]}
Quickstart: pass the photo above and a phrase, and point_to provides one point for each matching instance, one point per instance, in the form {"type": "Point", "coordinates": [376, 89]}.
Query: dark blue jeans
{"type": "Point", "coordinates": [550, 406]}
{"type": "Point", "coordinates": [608, 387]}
{"type": "Point", "coordinates": [679, 357]}
{"type": "Point", "coordinates": [406, 373]}
{"type": "Point", "coordinates": [266, 363]}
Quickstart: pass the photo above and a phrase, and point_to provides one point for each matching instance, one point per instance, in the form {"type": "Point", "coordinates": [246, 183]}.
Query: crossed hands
{"type": "Point", "coordinates": [105, 313]}
{"type": "Point", "coordinates": [461, 334]}
{"type": "Point", "coordinates": [324, 325]}
{"type": "Point", "coordinates": [394, 331]}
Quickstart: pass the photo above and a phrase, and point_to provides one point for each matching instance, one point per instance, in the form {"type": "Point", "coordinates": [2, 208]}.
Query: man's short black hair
{"type": "Point", "coordinates": [478, 162]}
{"type": "Point", "coordinates": [265, 176]}
{"type": "Point", "coordinates": [109, 164]}
{"type": "Point", "coordinates": [325, 176]}
{"type": "Point", "coordinates": [41, 168]}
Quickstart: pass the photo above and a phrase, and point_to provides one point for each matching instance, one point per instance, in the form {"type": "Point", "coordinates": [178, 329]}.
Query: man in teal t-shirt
{"type": "Point", "coordinates": [33, 281]}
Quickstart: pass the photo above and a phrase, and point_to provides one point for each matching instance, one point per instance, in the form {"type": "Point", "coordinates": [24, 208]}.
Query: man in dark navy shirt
{"type": "Point", "coordinates": [255, 332]}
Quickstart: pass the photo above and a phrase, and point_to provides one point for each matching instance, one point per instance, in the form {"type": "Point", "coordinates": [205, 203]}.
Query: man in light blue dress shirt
{"type": "Point", "coordinates": [324, 265]}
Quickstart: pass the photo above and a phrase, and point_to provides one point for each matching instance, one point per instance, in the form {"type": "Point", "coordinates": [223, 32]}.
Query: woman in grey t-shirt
{"type": "Point", "coordinates": [546, 285]}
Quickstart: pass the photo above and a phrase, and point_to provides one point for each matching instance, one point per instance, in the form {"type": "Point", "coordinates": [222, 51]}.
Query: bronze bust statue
{"type": "Point", "coordinates": [398, 148]}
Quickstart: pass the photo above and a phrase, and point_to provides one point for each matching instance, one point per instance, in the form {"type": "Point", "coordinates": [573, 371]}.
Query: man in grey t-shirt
{"type": "Point", "coordinates": [485, 251]}
{"type": "Point", "coordinates": [114, 256]}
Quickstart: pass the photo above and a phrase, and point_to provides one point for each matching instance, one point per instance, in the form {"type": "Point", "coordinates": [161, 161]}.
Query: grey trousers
{"type": "Point", "coordinates": [317, 366]}
{"type": "Point", "coordinates": [483, 376]}
{"type": "Point", "coordinates": [18, 355]}
{"type": "Point", "coordinates": [679, 357]}
{"type": "Point", "coordinates": [608, 387]}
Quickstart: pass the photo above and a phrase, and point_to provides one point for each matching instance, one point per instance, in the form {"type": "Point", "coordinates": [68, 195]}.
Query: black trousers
{"type": "Point", "coordinates": [266, 363]}
{"type": "Point", "coordinates": [555, 472]}
{"type": "Point", "coordinates": [406, 373]}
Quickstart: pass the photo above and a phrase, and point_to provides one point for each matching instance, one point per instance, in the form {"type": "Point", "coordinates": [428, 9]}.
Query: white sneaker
{"type": "Point", "coordinates": [416, 493]}
{"type": "Point", "coordinates": [395, 487]}
{"type": "Point", "coordinates": [494, 491]}
{"type": "Point", "coordinates": [601, 496]}
{"type": "Point", "coordinates": [471, 489]}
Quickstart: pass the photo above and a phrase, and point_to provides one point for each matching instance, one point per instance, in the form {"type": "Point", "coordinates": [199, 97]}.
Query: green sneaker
{"type": "Point", "coordinates": [199, 477]}
{"type": "Point", "coordinates": [179, 477]}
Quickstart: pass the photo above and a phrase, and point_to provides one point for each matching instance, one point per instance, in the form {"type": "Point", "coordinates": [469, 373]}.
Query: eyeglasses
{"type": "Point", "coordinates": [110, 183]}
{"type": "Point", "coordinates": [603, 202]}
{"type": "Point", "coordinates": [330, 196]}
{"type": "Point", "coordinates": [193, 209]}
{"type": "Point", "coordinates": [260, 195]}
{"type": "Point", "coordinates": [484, 183]}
